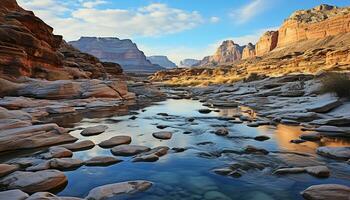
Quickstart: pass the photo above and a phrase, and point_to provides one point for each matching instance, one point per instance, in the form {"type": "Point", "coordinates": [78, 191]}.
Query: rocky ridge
{"type": "Point", "coordinates": [123, 52]}
{"type": "Point", "coordinates": [162, 61]}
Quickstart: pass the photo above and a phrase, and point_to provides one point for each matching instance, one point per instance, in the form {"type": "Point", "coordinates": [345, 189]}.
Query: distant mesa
{"type": "Point", "coordinates": [162, 61]}
{"type": "Point", "coordinates": [189, 62]}
{"type": "Point", "coordinates": [112, 49]}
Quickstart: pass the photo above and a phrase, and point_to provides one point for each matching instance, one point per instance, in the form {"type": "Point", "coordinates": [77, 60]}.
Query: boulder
{"type": "Point", "coordinates": [152, 155]}
{"type": "Point", "coordinates": [116, 189]}
{"type": "Point", "coordinates": [129, 150]}
{"type": "Point", "coordinates": [102, 161]}
{"type": "Point", "coordinates": [95, 130]}
{"type": "Point", "coordinates": [326, 192]}
{"type": "Point", "coordinates": [115, 141]}
{"type": "Point", "coordinates": [13, 195]}
{"type": "Point", "coordinates": [163, 135]}
{"type": "Point", "coordinates": [32, 182]}
{"type": "Point", "coordinates": [311, 136]}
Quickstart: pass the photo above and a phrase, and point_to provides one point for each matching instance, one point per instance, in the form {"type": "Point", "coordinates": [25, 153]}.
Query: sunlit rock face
{"type": "Point", "coordinates": [227, 52]}
{"type": "Point", "coordinates": [266, 43]}
{"type": "Point", "coordinates": [26, 42]}
{"type": "Point", "coordinates": [319, 22]}
{"type": "Point", "coordinates": [123, 52]}
{"type": "Point", "coordinates": [162, 61]}
{"type": "Point", "coordinates": [248, 51]}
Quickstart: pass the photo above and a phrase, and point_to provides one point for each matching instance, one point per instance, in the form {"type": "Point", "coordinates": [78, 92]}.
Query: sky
{"type": "Point", "coordinates": [179, 29]}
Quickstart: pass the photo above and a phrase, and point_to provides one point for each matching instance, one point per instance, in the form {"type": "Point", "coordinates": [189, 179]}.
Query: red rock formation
{"type": "Point", "coordinates": [28, 47]}
{"type": "Point", "coordinates": [266, 43]}
{"type": "Point", "coordinates": [248, 51]}
{"type": "Point", "coordinates": [26, 42]}
{"type": "Point", "coordinates": [227, 52]}
{"type": "Point", "coordinates": [319, 22]}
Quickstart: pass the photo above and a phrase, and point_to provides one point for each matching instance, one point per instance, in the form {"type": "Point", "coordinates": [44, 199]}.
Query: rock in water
{"type": "Point", "coordinates": [31, 182]}
{"type": "Point", "coordinates": [49, 196]}
{"type": "Point", "coordinates": [163, 135]}
{"type": "Point", "coordinates": [6, 169]}
{"type": "Point", "coordinates": [222, 131]}
{"type": "Point", "coordinates": [95, 130]}
{"type": "Point", "coordinates": [341, 153]}
{"type": "Point", "coordinates": [115, 141]}
{"type": "Point", "coordinates": [129, 150]}
{"type": "Point", "coordinates": [326, 192]}
{"type": "Point", "coordinates": [13, 195]}
{"type": "Point", "coordinates": [79, 146]}
{"type": "Point", "coordinates": [102, 161]}
{"type": "Point", "coordinates": [113, 190]}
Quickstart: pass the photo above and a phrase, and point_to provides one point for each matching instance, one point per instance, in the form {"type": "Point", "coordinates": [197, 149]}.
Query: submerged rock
{"type": "Point", "coordinates": [115, 141]}
{"type": "Point", "coordinates": [254, 150]}
{"type": "Point", "coordinates": [204, 111]}
{"type": "Point", "coordinates": [222, 132]}
{"type": "Point", "coordinates": [31, 182]}
{"type": "Point", "coordinates": [326, 192]}
{"type": "Point", "coordinates": [113, 190]}
{"type": "Point", "coordinates": [129, 150]}
{"type": "Point", "coordinates": [96, 130]}
{"type": "Point", "coordinates": [163, 135]}
{"type": "Point", "coordinates": [262, 138]}
{"type": "Point", "coordinates": [318, 171]}
{"type": "Point", "coordinates": [49, 196]}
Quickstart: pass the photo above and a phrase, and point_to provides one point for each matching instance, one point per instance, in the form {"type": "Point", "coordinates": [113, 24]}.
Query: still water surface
{"type": "Point", "coordinates": [188, 175]}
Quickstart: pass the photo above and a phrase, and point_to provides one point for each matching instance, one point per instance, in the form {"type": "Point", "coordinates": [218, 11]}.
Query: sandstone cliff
{"type": "Point", "coordinates": [227, 52]}
{"type": "Point", "coordinates": [309, 41]}
{"type": "Point", "coordinates": [123, 52]}
{"type": "Point", "coordinates": [162, 61]}
{"type": "Point", "coordinates": [28, 47]}
{"type": "Point", "coordinates": [248, 51]}
{"type": "Point", "coordinates": [266, 43]}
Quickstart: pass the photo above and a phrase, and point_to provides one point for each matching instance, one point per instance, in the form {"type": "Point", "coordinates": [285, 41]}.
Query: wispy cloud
{"type": "Point", "coordinates": [82, 18]}
{"type": "Point", "coordinates": [249, 11]}
{"type": "Point", "coordinates": [214, 19]}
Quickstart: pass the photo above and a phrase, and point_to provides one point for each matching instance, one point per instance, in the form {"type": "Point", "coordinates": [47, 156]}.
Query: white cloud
{"type": "Point", "coordinates": [214, 19]}
{"type": "Point", "coordinates": [91, 4]}
{"type": "Point", "coordinates": [249, 11]}
{"type": "Point", "coordinates": [81, 18]}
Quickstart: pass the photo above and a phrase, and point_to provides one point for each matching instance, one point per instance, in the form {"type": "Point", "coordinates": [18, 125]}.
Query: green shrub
{"type": "Point", "coordinates": [336, 83]}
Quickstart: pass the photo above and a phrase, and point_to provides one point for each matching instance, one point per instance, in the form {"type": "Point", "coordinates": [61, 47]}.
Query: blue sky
{"type": "Point", "coordinates": [178, 29]}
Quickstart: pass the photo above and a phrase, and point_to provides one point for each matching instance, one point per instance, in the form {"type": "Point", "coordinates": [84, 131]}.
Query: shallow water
{"type": "Point", "coordinates": [188, 175]}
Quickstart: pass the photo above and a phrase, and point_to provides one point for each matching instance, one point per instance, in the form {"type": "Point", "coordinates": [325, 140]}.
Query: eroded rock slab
{"type": "Point", "coordinates": [326, 192]}
{"type": "Point", "coordinates": [341, 153]}
{"type": "Point", "coordinates": [152, 155]}
{"type": "Point", "coordinates": [79, 146]}
{"type": "Point", "coordinates": [6, 169]}
{"type": "Point", "coordinates": [113, 190]}
{"type": "Point", "coordinates": [32, 182]}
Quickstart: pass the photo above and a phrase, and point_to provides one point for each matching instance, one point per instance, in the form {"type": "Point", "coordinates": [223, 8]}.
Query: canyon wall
{"type": "Point", "coordinates": [162, 61]}
{"type": "Point", "coordinates": [266, 43]}
{"type": "Point", "coordinates": [29, 48]}
{"type": "Point", "coordinates": [248, 51]}
{"type": "Point", "coordinates": [123, 52]}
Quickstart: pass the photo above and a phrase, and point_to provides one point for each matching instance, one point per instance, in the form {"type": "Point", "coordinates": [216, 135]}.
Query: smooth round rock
{"type": "Point", "coordinates": [13, 195]}
{"type": "Point", "coordinates": [95, 130]}
{"type": "Point", "coordinates": [129, 150]}
{"type": "Point", "coordinates": [163, 135]}
{"type": "Point", "coordinates": [79, 146]}
{"type": "Point", "coordinates": [327, 192]}
{"type": "Point", "coordinates": [6, 169]}
{"type": "Point", "coordinates": [115, 141]}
